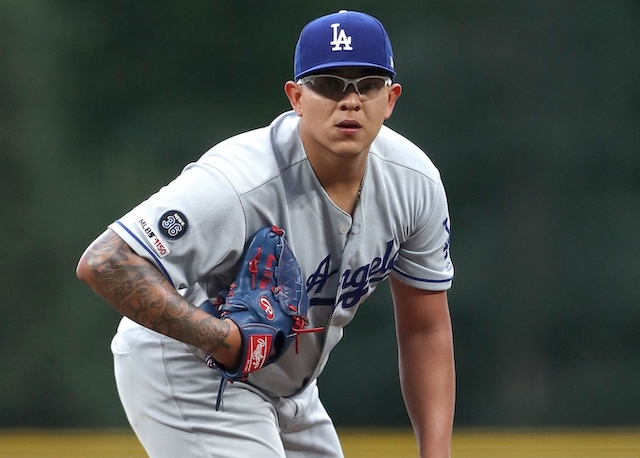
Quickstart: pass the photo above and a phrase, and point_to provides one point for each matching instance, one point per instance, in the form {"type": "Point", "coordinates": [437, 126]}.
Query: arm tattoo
{"type": "Point", "coordinates": [134, 287]}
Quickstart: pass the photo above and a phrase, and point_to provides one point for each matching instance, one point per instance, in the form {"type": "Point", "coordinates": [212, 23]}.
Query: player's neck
{"type": "Point", "coordinates": [342, 179]}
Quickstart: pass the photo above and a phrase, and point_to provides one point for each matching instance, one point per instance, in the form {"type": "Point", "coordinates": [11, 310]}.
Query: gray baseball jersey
{"type": "Point", "coordinates": [195, 230]}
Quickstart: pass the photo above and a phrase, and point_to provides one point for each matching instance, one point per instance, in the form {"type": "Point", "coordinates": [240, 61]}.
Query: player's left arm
{"type": "Point", "coordinates": [427, 368]}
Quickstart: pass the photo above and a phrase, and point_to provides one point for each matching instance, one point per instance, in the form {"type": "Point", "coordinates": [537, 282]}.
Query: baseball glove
{"type": "Point", "coordinates": [268, 301]}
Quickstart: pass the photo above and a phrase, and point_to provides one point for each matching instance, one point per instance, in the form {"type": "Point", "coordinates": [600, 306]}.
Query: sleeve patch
{"type": "Point", "coordinates": [173, 224]}
{"type": "Point", "coordinates": [157, 243]}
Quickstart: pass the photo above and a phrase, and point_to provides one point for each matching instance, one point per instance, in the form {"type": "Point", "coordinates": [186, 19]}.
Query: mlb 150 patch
{"type": "Point", "coordinates": [159, 245]}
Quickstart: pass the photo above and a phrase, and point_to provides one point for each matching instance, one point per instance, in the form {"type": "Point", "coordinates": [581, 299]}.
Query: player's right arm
{"type": "Point", "coordinates": [136, 288]}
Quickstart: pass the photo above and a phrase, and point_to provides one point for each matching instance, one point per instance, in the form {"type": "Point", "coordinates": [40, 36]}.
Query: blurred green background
{"type": "Point", "coordinates": [531, 110]}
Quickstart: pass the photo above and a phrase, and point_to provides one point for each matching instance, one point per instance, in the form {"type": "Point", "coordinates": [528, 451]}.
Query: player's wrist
{"type": "Point", "coordinates": [226, 351]}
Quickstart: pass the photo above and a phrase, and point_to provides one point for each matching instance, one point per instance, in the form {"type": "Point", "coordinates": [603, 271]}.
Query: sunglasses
{"type": "Point", "coordinates": [334, 87]}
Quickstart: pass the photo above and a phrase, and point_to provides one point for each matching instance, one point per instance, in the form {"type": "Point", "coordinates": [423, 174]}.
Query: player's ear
{"type": "Point", "coordinates": [394, 92]}
{"type": "Point", "coordinates": [294, 94]}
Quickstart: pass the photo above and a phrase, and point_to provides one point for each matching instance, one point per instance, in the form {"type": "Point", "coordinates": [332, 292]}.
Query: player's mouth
{"type": "Point", "coordinates": [349, 126]}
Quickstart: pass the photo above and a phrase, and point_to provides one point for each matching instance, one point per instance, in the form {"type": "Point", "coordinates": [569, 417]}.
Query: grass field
{"type": "Point", "coordinates": [357, 444]}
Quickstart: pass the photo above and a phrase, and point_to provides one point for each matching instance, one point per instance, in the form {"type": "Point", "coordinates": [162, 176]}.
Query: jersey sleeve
{"type": "Point", "coordinates": [191, 227]}
{"type": "Point", "coordinates": [424, 259]}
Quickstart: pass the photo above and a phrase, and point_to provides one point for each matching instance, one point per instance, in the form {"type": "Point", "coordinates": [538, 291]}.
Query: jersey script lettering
{"type": "Point", "coordinates": [354, 283]}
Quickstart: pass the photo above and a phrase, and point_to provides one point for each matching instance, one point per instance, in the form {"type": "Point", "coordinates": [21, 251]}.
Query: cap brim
{"type": "Point", "coordinates": [341, 64]}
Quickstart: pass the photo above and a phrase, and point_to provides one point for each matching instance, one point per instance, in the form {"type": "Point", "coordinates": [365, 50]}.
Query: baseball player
{"type": "Point", "coordinates": [357, 202]}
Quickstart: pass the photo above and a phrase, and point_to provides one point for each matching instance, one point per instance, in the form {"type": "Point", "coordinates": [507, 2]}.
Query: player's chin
{"type": "Point", "coordinates": [351, 146]}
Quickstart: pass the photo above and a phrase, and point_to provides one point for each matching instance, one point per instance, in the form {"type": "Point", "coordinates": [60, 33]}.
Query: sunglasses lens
{"type": "Point", "coordinates": [370, 87]}
{"type": "Point", "coordinates": [333, 87]}
{"type": "Point", "coordinates": [328, 86]}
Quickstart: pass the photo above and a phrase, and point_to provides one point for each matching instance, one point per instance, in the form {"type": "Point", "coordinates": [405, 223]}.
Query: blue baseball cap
{"type": "Point", "coordinates": [343, 39]}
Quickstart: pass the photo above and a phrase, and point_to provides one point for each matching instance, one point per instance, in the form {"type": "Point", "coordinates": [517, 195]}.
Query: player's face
{"type": "Point", "coordinates": [338, 122]}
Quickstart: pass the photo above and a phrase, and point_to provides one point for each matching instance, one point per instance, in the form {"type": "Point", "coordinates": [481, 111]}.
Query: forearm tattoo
{"type": "Point", "coordinates": [134, 287]}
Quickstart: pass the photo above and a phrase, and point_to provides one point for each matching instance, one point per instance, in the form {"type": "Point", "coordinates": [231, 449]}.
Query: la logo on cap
{"type": "Point", "coordinates": [340, 42]}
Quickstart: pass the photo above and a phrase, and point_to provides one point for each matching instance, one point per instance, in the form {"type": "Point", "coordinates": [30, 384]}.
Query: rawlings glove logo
{"type": "Point", "coordinates": [258, 348]}
{"type": "Point", "coordinates": [267, 307]}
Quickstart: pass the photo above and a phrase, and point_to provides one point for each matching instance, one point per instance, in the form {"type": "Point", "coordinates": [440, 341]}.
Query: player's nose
{"type": "Point", "coordinates": [350, 99]}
